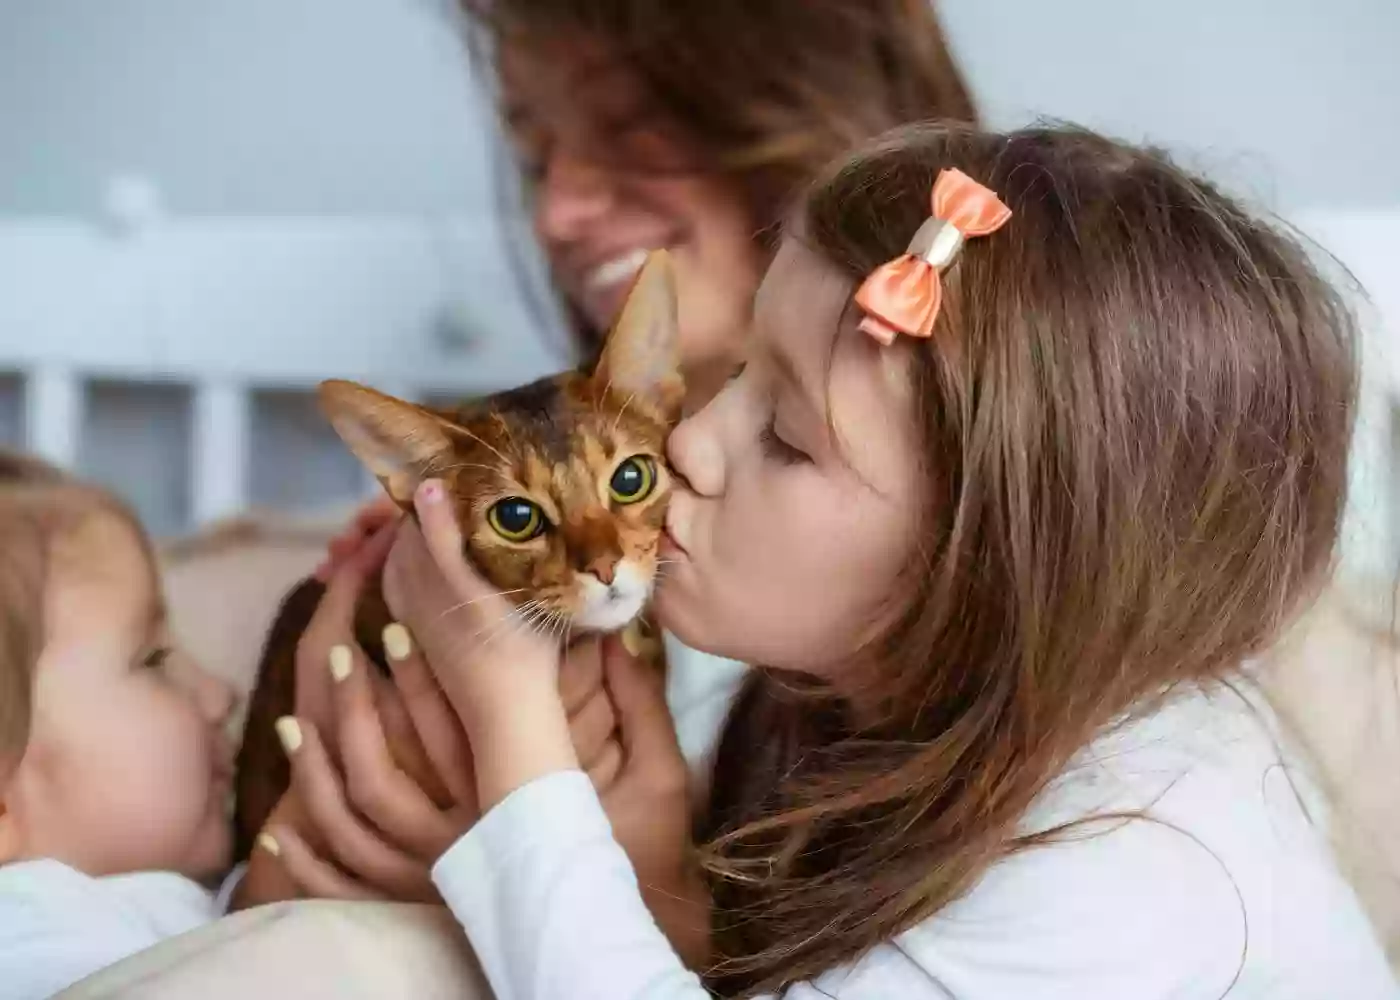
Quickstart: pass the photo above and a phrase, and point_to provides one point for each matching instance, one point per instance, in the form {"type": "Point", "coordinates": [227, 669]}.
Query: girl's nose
{"type": "Point", "coordinates": [695, 453]}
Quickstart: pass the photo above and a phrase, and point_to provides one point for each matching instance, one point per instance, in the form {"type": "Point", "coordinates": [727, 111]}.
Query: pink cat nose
{"type": "Point", "coordinates": [604, 568]}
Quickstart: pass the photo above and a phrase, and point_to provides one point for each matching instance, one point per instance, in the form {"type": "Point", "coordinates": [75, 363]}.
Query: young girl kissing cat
{"type": "Point", "coordinates": [1039, 443]}
{"type": "Point", "coordinates": [115, 768]}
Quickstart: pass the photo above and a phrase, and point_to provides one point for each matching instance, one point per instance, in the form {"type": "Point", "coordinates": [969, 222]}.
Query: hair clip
{"type": "Point", "coordinates": [903, 296]}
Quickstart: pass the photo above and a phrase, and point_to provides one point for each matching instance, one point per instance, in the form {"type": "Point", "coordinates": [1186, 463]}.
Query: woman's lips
{"type": "Point", "coordinates": [603, 287]}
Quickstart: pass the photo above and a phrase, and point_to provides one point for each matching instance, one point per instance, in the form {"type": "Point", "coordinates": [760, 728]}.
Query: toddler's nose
{"type": "Point", "coordinates": [216, 697]}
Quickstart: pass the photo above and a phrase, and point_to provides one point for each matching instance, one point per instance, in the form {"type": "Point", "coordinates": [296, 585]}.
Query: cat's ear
{"type": "Point", "coordinates": [642, 353]}
{"type": "Point", "coordinates": [399, 442]}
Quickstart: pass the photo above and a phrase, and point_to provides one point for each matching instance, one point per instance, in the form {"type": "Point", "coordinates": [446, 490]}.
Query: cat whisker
{"type": "Point", "coordinates": [617, 422]}
{"type": "Point", "coordinates": [561, 632]}
{"type": "Point", "coordinates": [463, 465]}
{"type": "Point", "coordinates": [496, 624]}
{"type": "Point", "coordinates": [474, 600]}
{"type": "Point", "coordinates": [508, 463]}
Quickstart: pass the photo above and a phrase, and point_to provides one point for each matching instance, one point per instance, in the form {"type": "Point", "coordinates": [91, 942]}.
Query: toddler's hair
{"type": "Point", "coordinates": [1134, 414]}
{"type": "Point", "coordinates": [39, 503]}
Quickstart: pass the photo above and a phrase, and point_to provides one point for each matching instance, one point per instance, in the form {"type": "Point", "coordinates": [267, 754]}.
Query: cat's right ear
{"type": "Point", "coordinates": [401, 443]}
{"type": "Point", "coordinates": [642, 355]}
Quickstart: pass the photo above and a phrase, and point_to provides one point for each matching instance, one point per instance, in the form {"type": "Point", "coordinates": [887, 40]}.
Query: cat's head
{"type": "Point", "coordinates": [560, 486]}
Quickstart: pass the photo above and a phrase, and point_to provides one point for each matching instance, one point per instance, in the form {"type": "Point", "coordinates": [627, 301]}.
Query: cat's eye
{"type": "Point", "coordinates": [516, 519]}
{"type": "Point", "coordinates": [633, 480]}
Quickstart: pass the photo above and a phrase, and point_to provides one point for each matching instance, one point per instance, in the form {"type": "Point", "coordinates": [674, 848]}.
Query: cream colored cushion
{"type": "Point", "coordinates": [306, 950]}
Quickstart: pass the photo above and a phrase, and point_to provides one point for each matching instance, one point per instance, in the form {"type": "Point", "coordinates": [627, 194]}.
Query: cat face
{"type": "Point", "coordinates": [560, 486]}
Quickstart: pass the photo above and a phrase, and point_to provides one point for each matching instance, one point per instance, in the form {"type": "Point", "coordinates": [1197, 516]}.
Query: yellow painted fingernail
{"type": "Point", "coordinates": [269, 844]}
{"type": "Point", "coordinates": [631, 640]}
{"type": "Point", "coordinates": [289, 732]}
{"type": "Point", "coordinates": [341, 663]}
{"type": "Point", "coordinates": [397, 642]}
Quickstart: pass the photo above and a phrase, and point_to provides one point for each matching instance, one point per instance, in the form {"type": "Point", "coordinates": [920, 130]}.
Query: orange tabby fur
{"type": "Point", "coordinates": [557, 443]}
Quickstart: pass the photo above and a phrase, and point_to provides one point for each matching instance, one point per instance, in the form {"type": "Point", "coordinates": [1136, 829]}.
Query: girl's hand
{"type": "Point", "coordinates": [648, 803]}
{"type": "Point", "coordinates": [368, 521]}
{"type": "Point", "coordinates": [500, 675]}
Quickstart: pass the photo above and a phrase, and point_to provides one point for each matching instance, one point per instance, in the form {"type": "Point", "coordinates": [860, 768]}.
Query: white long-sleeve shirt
{"type": "Point", "coordinates": [1224, 889]}
{"type": "Point", "coordinates": [59, 925]}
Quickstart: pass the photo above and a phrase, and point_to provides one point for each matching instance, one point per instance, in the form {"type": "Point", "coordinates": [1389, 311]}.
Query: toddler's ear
{"type": "Point", "coordinates": [642, 355]}
{"type": "Point", "coordinates": [400, 442]}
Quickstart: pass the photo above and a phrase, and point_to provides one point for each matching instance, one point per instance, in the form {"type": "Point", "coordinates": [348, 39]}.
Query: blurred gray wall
{"type": "Point", "coordinates": [1296, 100]}
{"type": "Point", "coordinates": [238, 106]}
{"type": "Point", "coordinates": [366, 106]}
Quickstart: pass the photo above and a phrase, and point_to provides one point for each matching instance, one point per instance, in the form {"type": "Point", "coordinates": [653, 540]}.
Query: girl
{"type": "Point", "coordinates": [1039, 442]}
{"type": "Point", "coordinates": [114, 763]}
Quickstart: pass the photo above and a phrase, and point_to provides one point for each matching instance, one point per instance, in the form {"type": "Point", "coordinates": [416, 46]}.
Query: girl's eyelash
{"type": "Point", "coordinates": [779, 449]}
{"type": "Point", "coordinates": [155, 659]}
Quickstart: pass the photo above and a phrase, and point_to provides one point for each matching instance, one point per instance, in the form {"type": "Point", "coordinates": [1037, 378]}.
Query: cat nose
{"type": "Point", "coordinates": [604, 568]}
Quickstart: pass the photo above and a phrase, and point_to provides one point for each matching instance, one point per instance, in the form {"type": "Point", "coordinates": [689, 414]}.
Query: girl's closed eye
{"type": "Point", "coordinates": [155, 658]}
{"type": "Point", "coordinates": [775, 447]}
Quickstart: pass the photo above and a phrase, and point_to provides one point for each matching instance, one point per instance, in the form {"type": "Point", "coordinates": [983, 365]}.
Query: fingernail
{"type": "Point", "coordinates": [341, 663]}
{"type": "Point", "coordinates": [289, 732]}
{"type": "Point", "coordinates": [269, 844]}
{"type": "Point", "coordinates": [397, 642]}
{"type": "Point", "coordinates": [431, 491]}
{"type": "Point", "coordinates": [631, 641]}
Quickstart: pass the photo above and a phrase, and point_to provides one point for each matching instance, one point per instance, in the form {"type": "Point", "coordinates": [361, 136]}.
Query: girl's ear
{"type": "Point", "coordinates": [641, 358]}
{"type": "Point", "coordinates": [400, 442]}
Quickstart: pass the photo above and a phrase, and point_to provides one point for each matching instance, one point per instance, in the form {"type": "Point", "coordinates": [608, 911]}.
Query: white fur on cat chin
{"type": "Point", "coordinates": [605, 608]}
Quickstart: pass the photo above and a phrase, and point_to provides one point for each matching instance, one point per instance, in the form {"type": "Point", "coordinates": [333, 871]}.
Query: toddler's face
{"type": "Point", "coordinates": [128, 766]}
{"type": "Point", "coordinates": [786, 546]}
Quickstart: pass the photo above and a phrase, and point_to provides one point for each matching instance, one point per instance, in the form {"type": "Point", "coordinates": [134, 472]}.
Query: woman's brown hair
{"type": "Point", "coordinates": [1135, 414]}
{"type": "Point", "coordinates": [769, 91]}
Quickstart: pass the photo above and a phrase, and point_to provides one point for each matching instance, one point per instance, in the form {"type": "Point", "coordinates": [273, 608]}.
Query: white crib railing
{"type": "Point", "coordinates": [231, 311]}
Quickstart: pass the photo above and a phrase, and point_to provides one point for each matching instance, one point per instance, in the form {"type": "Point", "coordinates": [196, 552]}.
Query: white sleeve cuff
{"type": "Point", "coordinates": [551, 905]}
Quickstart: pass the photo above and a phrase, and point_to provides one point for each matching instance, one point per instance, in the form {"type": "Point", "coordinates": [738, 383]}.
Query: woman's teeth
{"type": "Point", "coordinates": [617, 270]}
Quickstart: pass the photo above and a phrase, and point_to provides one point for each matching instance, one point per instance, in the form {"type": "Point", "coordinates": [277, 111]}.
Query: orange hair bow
{"type": "Point", "coordinates": [904, 295]}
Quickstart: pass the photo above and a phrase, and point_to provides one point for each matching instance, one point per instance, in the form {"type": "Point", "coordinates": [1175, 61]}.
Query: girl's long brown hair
{"type": "Point", "coordinates": [1135, 415]}
{"type": "Point", "coordinates": [769, 91]}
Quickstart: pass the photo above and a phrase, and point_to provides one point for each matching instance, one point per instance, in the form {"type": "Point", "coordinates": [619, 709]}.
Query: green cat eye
{"type": "Point", "coordinates": [516, 519]}
{"type": "Point", "coordinates": [633, 480]}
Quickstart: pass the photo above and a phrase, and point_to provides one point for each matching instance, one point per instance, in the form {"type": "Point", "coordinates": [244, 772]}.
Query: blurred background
{"type": "Point", "coordinates": [205, 208]}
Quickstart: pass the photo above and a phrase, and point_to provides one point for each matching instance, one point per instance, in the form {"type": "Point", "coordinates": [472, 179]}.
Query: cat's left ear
{"type": "Point", "coordinates": [642, 355]}
{"type": "Point", "coordinates": [400, 442]}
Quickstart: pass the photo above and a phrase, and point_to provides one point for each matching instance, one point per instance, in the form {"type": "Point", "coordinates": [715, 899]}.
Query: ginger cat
{"type": "Point", "coordinates": [560, 487]}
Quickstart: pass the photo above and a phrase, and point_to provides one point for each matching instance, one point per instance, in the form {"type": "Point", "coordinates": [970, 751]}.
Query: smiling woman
{"type": "Point", "coordinates": [692, 126]}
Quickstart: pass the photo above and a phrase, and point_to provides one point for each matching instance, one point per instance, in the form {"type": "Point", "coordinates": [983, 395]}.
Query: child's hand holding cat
{"type": "Point", "coordinates": [501, 679]}
{"type": "Point", "coordinates": [503, 682]}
